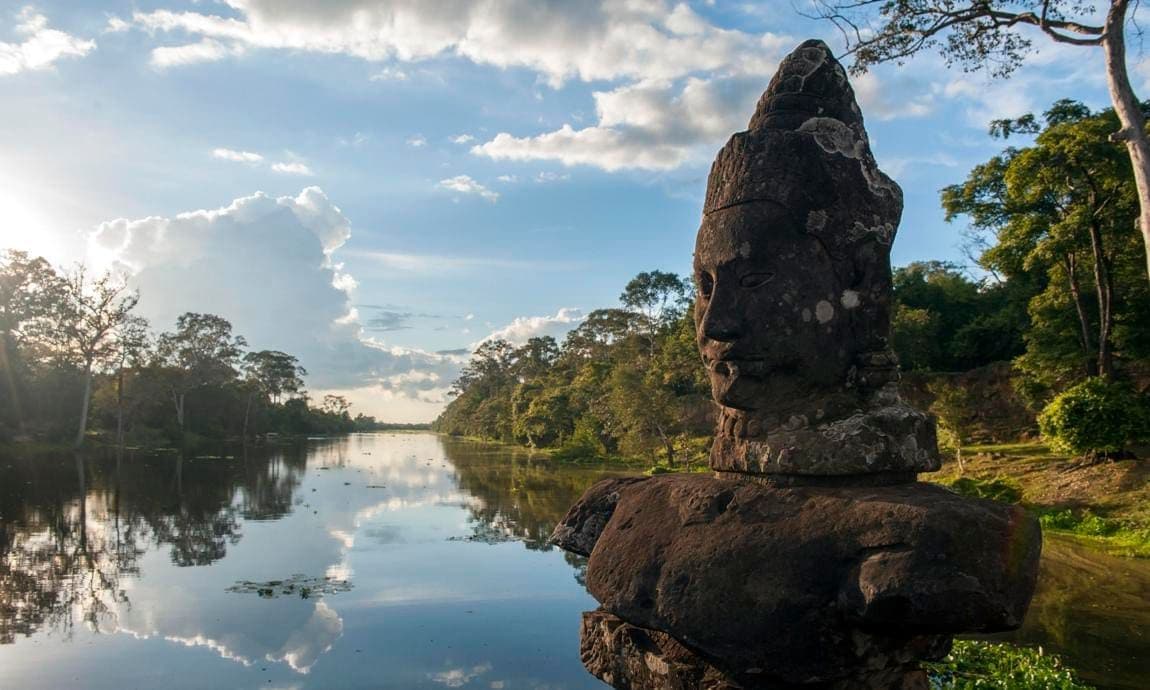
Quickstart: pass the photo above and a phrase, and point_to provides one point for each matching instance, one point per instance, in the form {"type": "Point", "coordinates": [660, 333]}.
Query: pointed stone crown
{"type": "Point", "coordinates": [807, 150]}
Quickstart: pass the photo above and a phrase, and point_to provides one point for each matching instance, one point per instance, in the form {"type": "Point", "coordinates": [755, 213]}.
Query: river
{"type": "Point", "coordinates": [373, 561]}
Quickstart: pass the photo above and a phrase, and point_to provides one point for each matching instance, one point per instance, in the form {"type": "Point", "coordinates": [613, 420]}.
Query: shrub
{"type": "Point", "coordinates": [1097, 417]}
{"type": "Point", "coordinates": [976, 665]}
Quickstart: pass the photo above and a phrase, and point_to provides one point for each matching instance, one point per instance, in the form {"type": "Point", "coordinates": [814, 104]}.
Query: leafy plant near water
{"type": "Point", "coordinates": [983, 665]}
{"type": "Point", "coordinates": [1095, 417]}
{"type": "Point", "coordinates": [1118, 536]}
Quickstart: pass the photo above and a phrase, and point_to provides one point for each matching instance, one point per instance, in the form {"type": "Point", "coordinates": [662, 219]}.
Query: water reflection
{"type": "Point", "coordinates": [147, 570]}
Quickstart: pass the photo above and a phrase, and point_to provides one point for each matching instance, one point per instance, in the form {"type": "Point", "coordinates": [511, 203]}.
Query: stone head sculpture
{"type": "Point", "coordinates": [792, 265]}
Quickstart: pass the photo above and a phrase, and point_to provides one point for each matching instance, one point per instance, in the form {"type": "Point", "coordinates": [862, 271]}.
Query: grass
{"type": "Point", "coordinates": [1105, 505]}
{"type": "Point", "coordinates": [984, 665]}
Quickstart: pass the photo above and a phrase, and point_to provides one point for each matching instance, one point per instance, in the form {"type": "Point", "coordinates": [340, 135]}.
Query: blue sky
{"type": "Point", "coordinates": [377, 186]}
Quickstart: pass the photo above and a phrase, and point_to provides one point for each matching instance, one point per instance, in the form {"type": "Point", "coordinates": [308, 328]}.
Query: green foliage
{"type": "Point", "coordinates": [944, 321]}
{"type": "Point", "coordinates": [1097, 417]}
{"type": "Point", "coordinates": [997, 489]}
{"type": "Point", "coordinates": [1085, 523]}
{"type": "Point", "coordinates": [985, 665]}
{"type": "Point", "coordinates": [1057, 219]}
{"type": "Point", "coordinates": [1115, 536]}
{"type": "Point", "coordinates": [627, 381]}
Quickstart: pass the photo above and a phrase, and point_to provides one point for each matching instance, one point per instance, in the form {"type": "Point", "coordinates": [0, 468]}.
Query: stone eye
{"type": "Point", "coordinates": [754, 280]}
{"type": "Point", "coordinates": [706, 284]}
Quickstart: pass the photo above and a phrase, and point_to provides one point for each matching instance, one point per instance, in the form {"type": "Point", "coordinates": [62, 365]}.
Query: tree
{"type": "Point", "coordinates": [91, 313]}
{"type": "Point", "coordinates": [336, 405]}
{"type": "Point", "coordinates": [658, 296]}
{"type": "Point", "coordinates": [201, 352]}
{"type": "Point", "coordinates": [132, 341]}
{"type": "Point", "coordinates": [270, 373]}
{"type": "Point", "coordinates": [988, 33]}
{"type": "Point", "coordinates": [30, 291]}
{"type": "Point", "coordinates": [954, 406]}
{"type": "Point", "coordinates": [1062, 210]}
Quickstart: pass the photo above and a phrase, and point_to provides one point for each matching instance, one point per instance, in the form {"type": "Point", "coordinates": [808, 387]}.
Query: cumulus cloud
{"type": "Point", "coordinates": [525, 327]}
{"type": "Point", "coordinates": [266, 264]}
{"type": "Point", "coordinates": [465, 185]}
{"type": "Point", "coordinates": [417, 141]}
{"type": "Point", "coordinates": [41, 46]}
{"type": "Point", "coordinates": [462, 139]}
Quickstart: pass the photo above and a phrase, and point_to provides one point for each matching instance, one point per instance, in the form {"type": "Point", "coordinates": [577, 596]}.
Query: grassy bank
{"type": "Point", "coordinates": [1106, 505]}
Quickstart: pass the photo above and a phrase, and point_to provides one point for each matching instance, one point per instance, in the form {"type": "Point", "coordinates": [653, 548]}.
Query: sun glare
{"type": "Point", "coordinates": [22, 226]}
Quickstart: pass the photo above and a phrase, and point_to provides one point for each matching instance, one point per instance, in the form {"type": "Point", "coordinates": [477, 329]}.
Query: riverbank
{"type": "Point", "coordinates": [1104, 505]}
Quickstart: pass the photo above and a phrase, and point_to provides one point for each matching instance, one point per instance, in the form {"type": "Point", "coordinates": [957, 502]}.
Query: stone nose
{"type": "Point", "coordinates": [721, 323]}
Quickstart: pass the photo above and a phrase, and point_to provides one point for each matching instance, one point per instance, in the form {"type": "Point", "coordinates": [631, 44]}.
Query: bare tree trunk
{"type": "Point", "coordinates": [84, 405]}
{"type": "Point", "coordinates": [247, 412]}
{"type": "Point", "coordinates": [1129, 111]}
{"type": "Point", "coordinates": [1105, 291]}
{"type": "Point", "coordinates": [1089, 362]}
{"type": "Point", "coordinates": [120, 407]}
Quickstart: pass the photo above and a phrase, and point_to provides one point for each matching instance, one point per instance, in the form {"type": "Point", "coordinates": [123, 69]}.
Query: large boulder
{"type": "Point", "coordinates": [806, 584]}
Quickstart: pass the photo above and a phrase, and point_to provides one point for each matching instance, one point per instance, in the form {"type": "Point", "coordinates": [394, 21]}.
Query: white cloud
{"type": "Point", "coordinates": [507, 178]}
{"type": "Point", "coordinates": [524, 327]}
{"type": "Point", "coordinates": [986, 100]}
{"type": "Point", "coordinates": [204, 261]}
{"type": "Point", "coordinates": [680, 70]}
{"type": "Point", "coordinates": [295, 168]}
{"type": "Point", "coordinates": [458, 677]}
{"type": "Point", "coordinates": [41, 46]}
{"type": "Point", "coordinates": [206, 50]}
{"type": "Point", "coordinates": [548, 176]}
{"type": "Point", "coordinates": [389, 74]}
{"type": "Point", "coordinates": [291, 167]}
{"type": "Point", "coordinates": [417, 141]}
{"type": "Point", "coordinates": [237, 156]}
{"type": "Point", "coordinates": [462, 139]}
{"type": "Point", "coordinates": [888, 99]}
{"type": "Point", "coordinates": [465, 185]}
{"type": "Point", "coordinates": [438, 263]}
{"type": "Point", "coordinates": [651, 125]}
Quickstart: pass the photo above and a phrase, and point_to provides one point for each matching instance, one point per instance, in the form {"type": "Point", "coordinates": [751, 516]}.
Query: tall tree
{"type": "Point", "coordinates": [30, 291]}
{"type": "Point", "coordinates": [91, 313]}
{"type": "Point", "coordinates": [201, 351]}
{"type": "Point", "coordinates": [270, 373]}
{"type": "Point", "coordinates": [1064, 208]}
{"type": "Point", "coordinates": [132, 341]}
{"type": "Point", "coordinates": [991, 33]}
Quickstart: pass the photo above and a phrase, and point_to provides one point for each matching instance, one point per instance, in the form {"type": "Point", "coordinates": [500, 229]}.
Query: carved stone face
{"type": "Point", "coordinates": [771, 319]}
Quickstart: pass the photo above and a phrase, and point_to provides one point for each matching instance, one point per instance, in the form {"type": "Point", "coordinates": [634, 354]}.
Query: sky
{"type": "Point", "coordinates": [378, 186]}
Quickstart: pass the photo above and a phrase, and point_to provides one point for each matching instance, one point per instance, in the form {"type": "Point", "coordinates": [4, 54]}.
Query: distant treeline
{"type": "Point", "coordinates": [76, 361]}
{"type": "Point", "coordinates": [1062, 295]}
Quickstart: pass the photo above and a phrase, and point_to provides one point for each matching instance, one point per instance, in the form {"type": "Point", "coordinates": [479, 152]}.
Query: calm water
{"type": "Point", "coordinates": [375, 561]}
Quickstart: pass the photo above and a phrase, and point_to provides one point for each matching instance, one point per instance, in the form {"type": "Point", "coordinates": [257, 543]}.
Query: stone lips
{"type": "Point", "coordinates": [808, 584]}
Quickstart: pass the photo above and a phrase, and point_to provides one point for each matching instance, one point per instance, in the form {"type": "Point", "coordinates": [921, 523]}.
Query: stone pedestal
{"type": "Point", "coordinates": [756, 585]}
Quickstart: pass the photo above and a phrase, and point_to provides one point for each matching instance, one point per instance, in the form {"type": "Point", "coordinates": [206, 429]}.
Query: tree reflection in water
{"type": "Point", "coordinates": [73, 529]}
